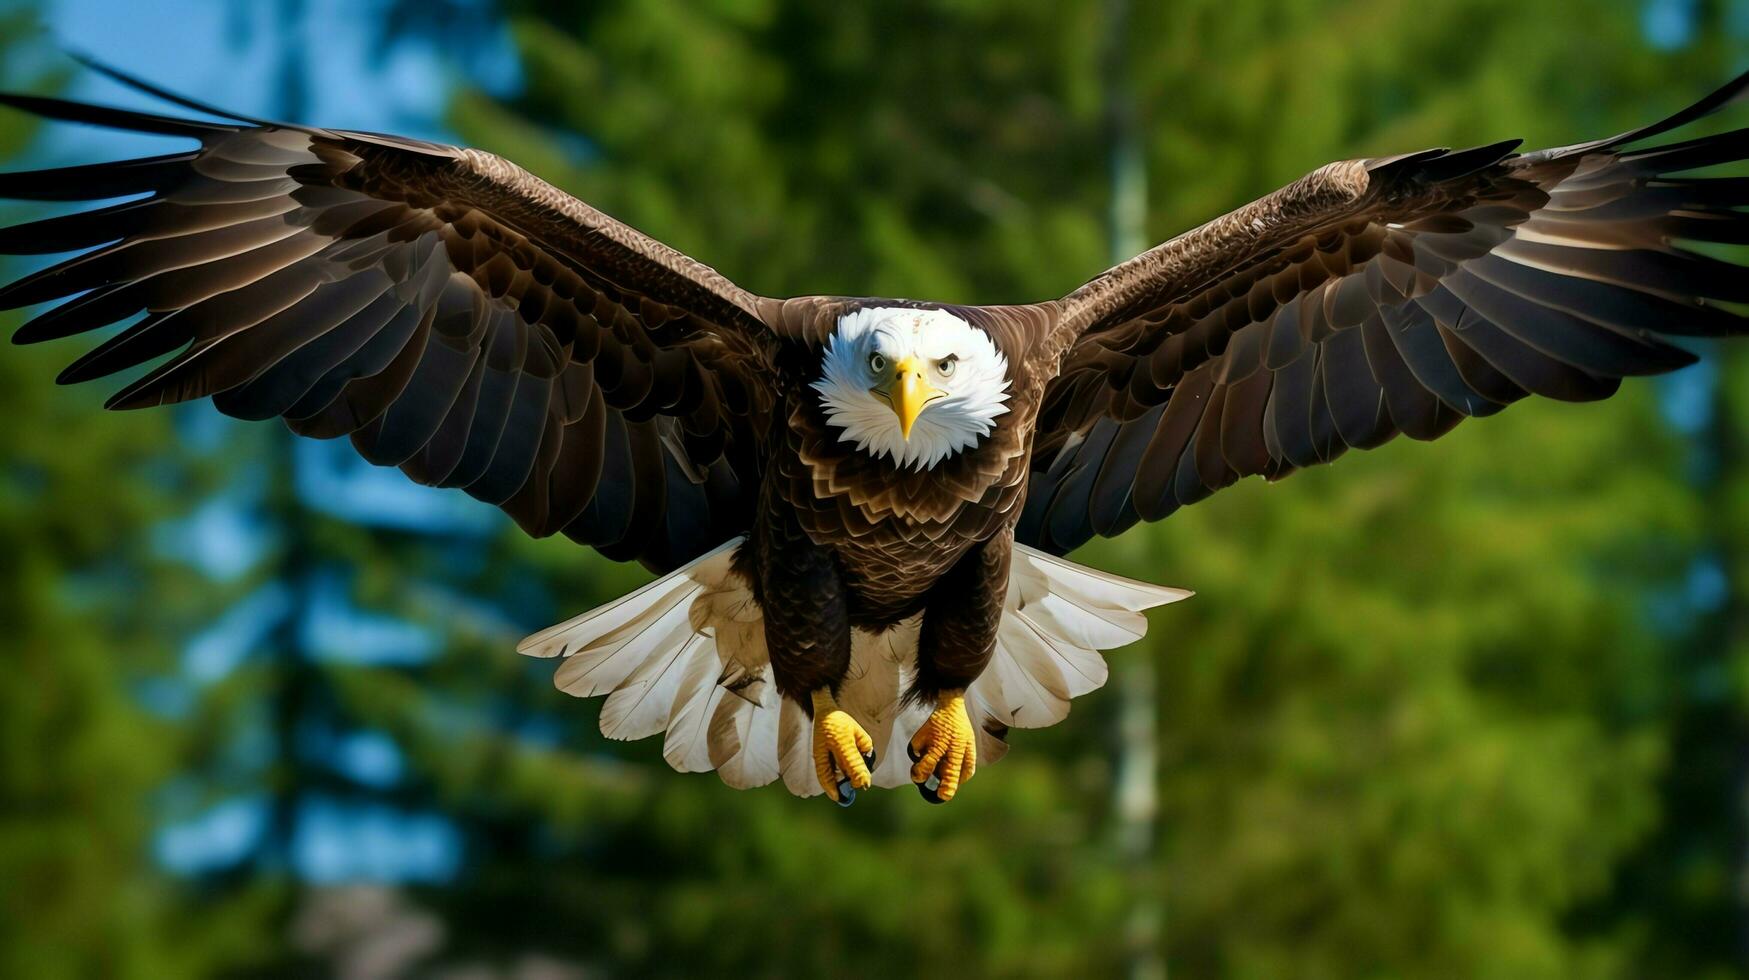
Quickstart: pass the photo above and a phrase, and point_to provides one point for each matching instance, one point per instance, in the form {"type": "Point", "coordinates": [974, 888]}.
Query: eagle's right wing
{"type": "Point", "coordinates": [454, 315]}
{"type": "Point", "coordinates": [1377, 297]}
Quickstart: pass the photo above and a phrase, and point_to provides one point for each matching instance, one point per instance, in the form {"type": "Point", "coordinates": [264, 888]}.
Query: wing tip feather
{"type": "Point", "coordinates": [141, 85]}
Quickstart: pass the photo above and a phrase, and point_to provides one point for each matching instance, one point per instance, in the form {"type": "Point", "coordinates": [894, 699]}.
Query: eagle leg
{"type": "Point", "coordinates": [844, 755]}
{"type": "Point", "coordinates": [944, 752]}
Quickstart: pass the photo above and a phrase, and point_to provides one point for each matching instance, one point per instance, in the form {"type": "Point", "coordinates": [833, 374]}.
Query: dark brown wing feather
{"type": "Point", "coordinates": [455, 316]}
{"type": "Point", "coordinates": [1377, 297]}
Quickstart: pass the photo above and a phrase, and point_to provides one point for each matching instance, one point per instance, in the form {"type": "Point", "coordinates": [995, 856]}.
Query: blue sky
{"type": "Point", "coordinates": [227, 53]}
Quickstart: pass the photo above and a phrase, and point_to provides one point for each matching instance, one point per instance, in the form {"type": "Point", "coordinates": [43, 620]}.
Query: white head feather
{"type": "Point", "coordinates": [962, 365]}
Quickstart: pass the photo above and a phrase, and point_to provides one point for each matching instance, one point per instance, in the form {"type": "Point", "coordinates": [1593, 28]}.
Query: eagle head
{"type": "Point", "coordinates": [917, 386]}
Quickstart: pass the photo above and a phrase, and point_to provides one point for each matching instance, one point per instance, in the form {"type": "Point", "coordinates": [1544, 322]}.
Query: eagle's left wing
{"type": "Point", "coordinates": [452, 314]}
{"type": "Point", "coordinates": [1373, 297]}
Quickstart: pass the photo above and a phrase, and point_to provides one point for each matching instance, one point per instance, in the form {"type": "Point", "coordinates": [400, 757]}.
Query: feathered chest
{"type": "Point", "coordinates": [851, 499]}
{"type": "Point", "coordinates": [901, 438]}
{"type": "Point", "coordinates": [896, 530]}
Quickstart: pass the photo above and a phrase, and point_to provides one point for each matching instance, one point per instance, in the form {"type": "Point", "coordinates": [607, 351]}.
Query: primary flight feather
{"type": "Point", "coordinates": [857, 504]}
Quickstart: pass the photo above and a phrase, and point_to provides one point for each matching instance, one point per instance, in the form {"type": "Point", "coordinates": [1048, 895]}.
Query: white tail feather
{"type": "Point", "coordinates": [686, 654]}
{"type": "Point", "coordinates": [881, 669]}
{"type": "Point", "coordinates": [795, 754]}
{"type": "Point", "coordinates": [743, 742]}
{"type": "Point", "coordinates": [687, 747]}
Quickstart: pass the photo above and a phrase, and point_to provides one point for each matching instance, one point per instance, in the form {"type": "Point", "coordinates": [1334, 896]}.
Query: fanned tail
{"type": "Point", "coordinates": [686, 655]}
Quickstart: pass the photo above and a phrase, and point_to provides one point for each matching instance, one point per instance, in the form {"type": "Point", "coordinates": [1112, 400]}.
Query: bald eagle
{"type": "Point", "coordinates": [857, 506]}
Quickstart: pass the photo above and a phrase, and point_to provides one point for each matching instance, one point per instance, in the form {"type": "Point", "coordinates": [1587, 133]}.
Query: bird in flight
{"type": "Point", "coordinates": [858, 507]}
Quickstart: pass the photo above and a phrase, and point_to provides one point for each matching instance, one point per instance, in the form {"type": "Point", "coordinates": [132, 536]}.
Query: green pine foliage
{"type": "Point", "coordinates": [87, 614]}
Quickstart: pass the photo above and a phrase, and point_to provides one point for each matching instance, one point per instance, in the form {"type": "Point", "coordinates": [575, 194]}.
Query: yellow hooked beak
{"type": "Point", "coordinates": [907, 391]}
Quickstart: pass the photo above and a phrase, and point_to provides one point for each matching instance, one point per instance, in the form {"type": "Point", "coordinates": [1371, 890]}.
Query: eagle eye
{"type": "Point", "coordinates": [945, 366]}
{"type": "Point", "coordinates": [877, 363]}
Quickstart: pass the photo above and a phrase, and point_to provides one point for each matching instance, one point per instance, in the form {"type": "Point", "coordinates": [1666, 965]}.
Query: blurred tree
{"type": "Point", "coordinates": [1136, 757]}
{"type": "Point", "coordinates": [335, 584]}
{"type": "Point", "coordinates": [87, 605]}
{"type": "Point", "coordinates": [80, 759]}
{"type": "Point", "coordinates": [1684, 889]}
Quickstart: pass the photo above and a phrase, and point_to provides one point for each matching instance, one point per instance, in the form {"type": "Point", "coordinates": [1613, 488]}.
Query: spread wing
{"type": "Point", "coordinates": [1377, 297]}
{"type": "Point", "coordinates": [450, 313]}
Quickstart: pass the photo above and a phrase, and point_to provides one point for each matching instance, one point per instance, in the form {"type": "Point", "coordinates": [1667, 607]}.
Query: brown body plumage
{"type": "Point", "coordinates": [892, 533]}
{"type": "Point", "coordinates": [476, 327]}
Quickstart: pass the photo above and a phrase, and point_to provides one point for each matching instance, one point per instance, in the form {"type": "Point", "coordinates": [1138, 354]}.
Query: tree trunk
{"type": "Point", "coordinates": [1136, 784]}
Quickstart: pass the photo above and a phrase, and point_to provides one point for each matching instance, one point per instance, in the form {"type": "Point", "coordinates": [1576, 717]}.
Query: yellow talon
{"type": "Point", "coordinates": [946, 747]}
{"type": "Point", "coordinates": [842, 750]}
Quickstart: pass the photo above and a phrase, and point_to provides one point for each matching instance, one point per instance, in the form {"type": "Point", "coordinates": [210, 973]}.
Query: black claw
{"type": "Point", "coordinates": [868, 760]}
{"type": "Point", "coordinates": [911, 751]}
{"type": "Point", "coordinates": [846, 793]}
{"type": "Point", "coordinates": [928, 789]}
